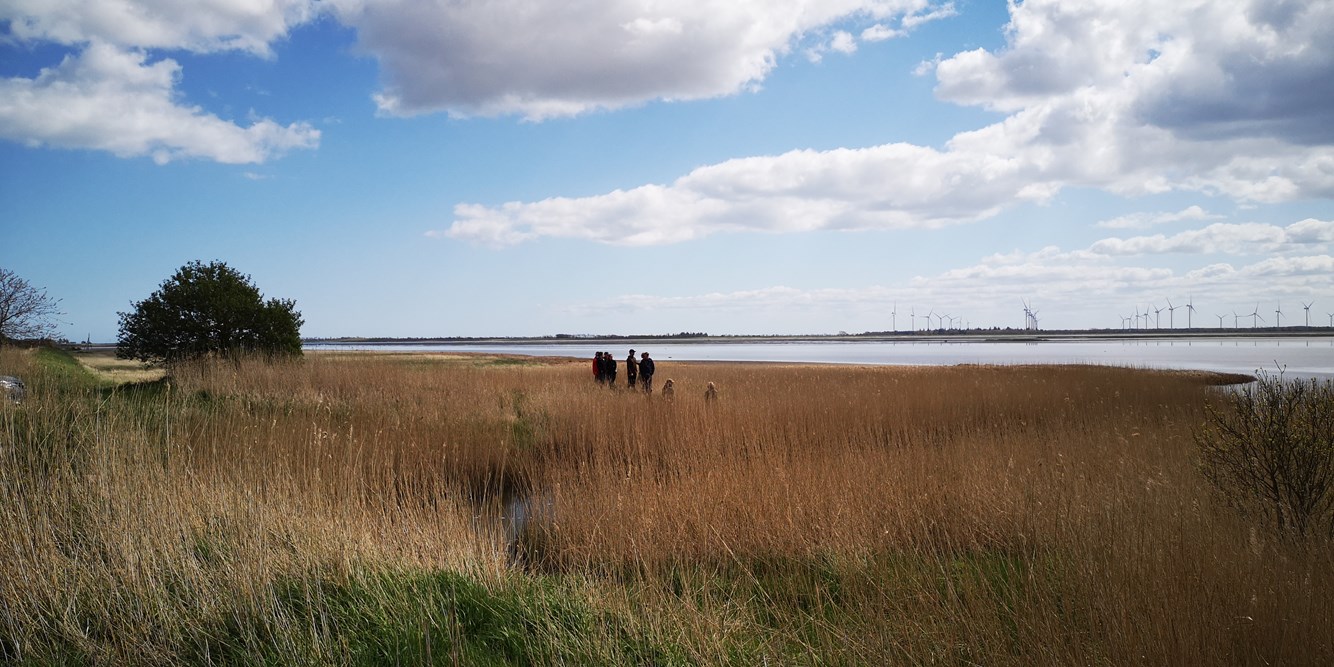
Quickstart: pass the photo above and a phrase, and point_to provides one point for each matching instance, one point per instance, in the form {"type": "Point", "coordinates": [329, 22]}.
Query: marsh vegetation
{"type": "Point", "coordinates": [347, 509]}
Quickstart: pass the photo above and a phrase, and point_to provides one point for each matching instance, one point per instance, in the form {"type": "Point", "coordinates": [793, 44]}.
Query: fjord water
{"type": "Point", "coordinates": [1297, 357]}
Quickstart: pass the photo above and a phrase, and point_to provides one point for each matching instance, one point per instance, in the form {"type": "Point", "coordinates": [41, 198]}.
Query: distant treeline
{"type": "Point", "coordinates": [975, 331]}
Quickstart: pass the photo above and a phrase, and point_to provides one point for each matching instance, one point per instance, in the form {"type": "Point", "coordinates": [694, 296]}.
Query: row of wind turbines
{"type": "Point", "coordinates": [1140, 320]}
{"type": "Point", "coordinates": [943, 321]}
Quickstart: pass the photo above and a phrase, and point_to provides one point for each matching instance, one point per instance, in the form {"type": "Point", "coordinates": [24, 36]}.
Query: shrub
{"type": "Point", "coordinates": [208, 309]}
{"type": "Point", "coordinates": [1269, 448]}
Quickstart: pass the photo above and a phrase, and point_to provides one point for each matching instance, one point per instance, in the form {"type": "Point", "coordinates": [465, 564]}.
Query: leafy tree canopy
{"type": "Point", "coordinates": [25, 311]}
{"type": "Point", "coordinates": [208, 309]}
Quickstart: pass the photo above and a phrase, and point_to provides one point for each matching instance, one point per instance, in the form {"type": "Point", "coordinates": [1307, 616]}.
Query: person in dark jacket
{"type": "Point", "coordinates": [646, 373]}
{"type": "Point", "coordinates": [597, 367]}
{"type": "Point", "coordinates": [631, 370]}
{"type": "Point", "coordinates": [609, 368]}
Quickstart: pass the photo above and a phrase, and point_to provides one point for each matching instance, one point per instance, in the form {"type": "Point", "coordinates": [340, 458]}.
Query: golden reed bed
{"type": "Point", "coordinates": [813, 514]}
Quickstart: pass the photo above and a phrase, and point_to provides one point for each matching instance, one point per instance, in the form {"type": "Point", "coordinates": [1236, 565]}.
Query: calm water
{"type": "Point", "coordinates": [1302, 357]}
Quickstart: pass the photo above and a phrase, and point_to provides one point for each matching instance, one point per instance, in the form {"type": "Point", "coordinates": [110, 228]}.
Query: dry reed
{"type": "Point", "coordinates": [1021, 515]}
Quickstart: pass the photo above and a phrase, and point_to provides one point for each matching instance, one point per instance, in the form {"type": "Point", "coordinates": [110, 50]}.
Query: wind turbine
{"type": "Point", "coordinates": [1220, 320]}
{"type": "Point", "coordinates": [1190, 308]}
{"type": "Point", "coordinates": [929, 315]}
{"type": "Point", "coordinates": [1235, 318]}
{"type": "Point", "coordinates": [1171, 315]}
{"type": "Point", "coordinates": [912, 313]}
{"type": "Point", "coordinates": [1255, 316]}
{"type": "Point", "coordinates": [1278, 315]}
{"type": "Point", "coordinates": [1307, 308]}
{"type": "Point", "coordinates": [893, 323]}
{"type": "Point", "coordinates": [1034, 317]}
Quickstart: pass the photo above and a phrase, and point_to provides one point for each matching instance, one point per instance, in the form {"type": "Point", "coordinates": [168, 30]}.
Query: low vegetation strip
{"type": "Point", "coordinates": [402, 509]}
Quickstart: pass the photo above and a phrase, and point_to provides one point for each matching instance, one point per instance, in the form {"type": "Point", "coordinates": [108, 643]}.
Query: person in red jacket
{"type": "Point", "coordinates": [597, 367]}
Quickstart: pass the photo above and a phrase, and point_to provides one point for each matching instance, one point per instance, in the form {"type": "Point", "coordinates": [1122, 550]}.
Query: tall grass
{"type": "Point", "coordinates": [348, 509]}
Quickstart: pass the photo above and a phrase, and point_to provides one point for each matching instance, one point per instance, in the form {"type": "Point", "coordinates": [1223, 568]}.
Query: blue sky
{"type": "Point", "coordinates": [516, 168]}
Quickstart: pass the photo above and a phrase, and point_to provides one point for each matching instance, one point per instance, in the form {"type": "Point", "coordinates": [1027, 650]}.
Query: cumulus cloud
{"type": "Point", "coordinates": [844, 189]}
{"type": "Point", "coordinates": [541, 59]}
{"type": "Point", "coordinates": [199, 25]}
{"type": "Point", "coordinates": [1229, 95]}
{"type": "Point", "coordinates": [759, 299]}
{"type": "Point", "coordinates": [1237, 239]}
{"type": "Point", "coordinates": [1082, 85]}
{"type": "Point", "coordinates": [110, 95]}
{"type": "Point", "coordinates": [113, 100]}
{"type": "Point", "coordinates": [843, 42]}
{"type": "Point", "coordinates": [924, 14]}
{"type": "Point", "coordinates": [1146, 219]}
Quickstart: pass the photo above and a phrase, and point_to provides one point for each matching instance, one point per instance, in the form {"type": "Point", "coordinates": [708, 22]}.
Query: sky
{"type": "Point", "coordinates": [524, 168]}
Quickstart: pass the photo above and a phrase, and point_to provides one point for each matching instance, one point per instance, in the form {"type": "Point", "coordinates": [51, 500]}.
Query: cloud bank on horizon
{"type": "Point", "coordinates": [1227, 101]}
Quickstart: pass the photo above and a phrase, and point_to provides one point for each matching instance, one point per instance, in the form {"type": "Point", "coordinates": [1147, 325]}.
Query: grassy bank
{"type": "Point", "coordinates": [348, 509]}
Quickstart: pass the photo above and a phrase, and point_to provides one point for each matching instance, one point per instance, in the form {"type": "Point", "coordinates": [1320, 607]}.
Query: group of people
{"type": "Point", "coordinates": [637, 372]}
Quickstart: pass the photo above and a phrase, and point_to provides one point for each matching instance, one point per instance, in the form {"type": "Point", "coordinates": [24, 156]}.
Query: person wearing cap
{"type": "Point", "coordinates": [631, 370]}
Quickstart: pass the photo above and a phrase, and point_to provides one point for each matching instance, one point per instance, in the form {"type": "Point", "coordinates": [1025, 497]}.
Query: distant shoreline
{"type": "Point", "coordinates": [976, 335]}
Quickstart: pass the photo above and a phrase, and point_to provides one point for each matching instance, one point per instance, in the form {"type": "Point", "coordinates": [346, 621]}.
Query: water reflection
{"type": "Point", "coordinates": [1314, 357]}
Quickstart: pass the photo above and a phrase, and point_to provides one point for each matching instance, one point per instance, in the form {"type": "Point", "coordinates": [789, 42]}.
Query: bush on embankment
{"type": "Point", "coordinates": [1269, 449]}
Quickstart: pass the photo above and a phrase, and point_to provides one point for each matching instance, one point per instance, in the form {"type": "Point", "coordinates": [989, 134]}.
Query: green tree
{"type": "Point", "coordinates": [208, 309]}
{"type": "Point", "coordinates": [25, 311]}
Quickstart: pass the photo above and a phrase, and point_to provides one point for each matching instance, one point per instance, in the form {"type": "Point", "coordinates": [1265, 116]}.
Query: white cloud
{"type": "Point", "coordinates": [929, 13]}
{"type": "Point", "coordinates": [1238, 239]}
{"type": "Point", "coordinates": [1079, 82]}
{"type": "Point", "coordinates": [1146, 220]}
{"type": "Point", "coordinates": [843, 42]}
{"type": "Point", "coordinates": [880, 32]}
{"type": "Point", "coordinates": [844, 189]}
{"type": "Point", "coordinates": [1317, 266]}
{"type": "Point", "coordinates": [198, 25]}
{"type": "Point", "coordinates": [1230, 95]}
{"type": "Point", "coordinates": [1068, 289]}
{"type": "Point", "coordinates": [540, 59]}
{"type": "Point", "coordinates": [114, 100]}
{"type": "Point", "coordinates": [110, 95]}
{"type": "Point", "coordinates": [924, 14]}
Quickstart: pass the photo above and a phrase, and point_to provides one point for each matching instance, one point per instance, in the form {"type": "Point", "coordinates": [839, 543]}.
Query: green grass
{"type": "Point", "coordinates": [62, 370]}
{"type": "Point", "coordinates": [390, 617]}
